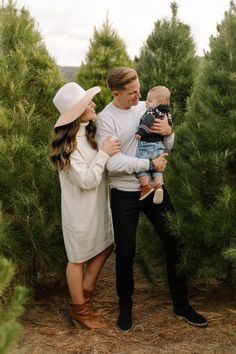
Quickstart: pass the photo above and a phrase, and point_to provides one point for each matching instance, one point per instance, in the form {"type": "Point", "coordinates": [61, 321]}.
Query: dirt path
{"type": "Point", "coordinates": [47, 329]}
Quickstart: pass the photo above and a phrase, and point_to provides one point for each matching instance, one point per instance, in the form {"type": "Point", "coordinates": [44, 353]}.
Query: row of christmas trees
{"type": "Point", "coordinates": [201, 175]}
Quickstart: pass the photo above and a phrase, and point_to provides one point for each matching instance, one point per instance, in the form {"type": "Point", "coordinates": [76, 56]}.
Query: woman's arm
{"type": "Point", "coordinates": [87, 175]}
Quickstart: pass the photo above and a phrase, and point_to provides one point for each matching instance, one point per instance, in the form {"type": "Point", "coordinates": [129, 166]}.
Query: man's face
{"type": "Point", "coordinates": [128, 97]}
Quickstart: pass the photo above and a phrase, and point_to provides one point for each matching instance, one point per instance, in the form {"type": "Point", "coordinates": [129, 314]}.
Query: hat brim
{"type": "Point", "coordinates": [77, 110]}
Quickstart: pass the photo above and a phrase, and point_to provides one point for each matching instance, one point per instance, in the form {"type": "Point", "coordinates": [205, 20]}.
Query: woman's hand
{"type": "Point", "coordinates": [160, 162]}
{"type": "Point", "coordinates": [162, 127]}
{"type": "Point", "coordinates": [111, 146]}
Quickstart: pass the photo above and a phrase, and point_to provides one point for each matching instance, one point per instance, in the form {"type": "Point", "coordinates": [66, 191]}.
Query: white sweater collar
{"type": "Point", "coordinates": [81, 131]}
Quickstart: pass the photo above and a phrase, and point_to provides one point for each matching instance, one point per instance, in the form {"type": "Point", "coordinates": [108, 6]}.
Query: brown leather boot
{"type": "Point", "coordinates": [145, 191]}
{"type": "Point", "coordinates": [81, 315]}
{"type": "Point", "coordinates": [88, 296]}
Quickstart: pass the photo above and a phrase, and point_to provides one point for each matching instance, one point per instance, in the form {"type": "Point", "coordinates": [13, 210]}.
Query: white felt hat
{"type": "Point", "coordinates": [71, 100]}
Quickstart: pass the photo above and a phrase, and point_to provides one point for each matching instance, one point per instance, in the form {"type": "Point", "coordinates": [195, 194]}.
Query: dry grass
{"type": "Point", "coordinates": [47, 329]}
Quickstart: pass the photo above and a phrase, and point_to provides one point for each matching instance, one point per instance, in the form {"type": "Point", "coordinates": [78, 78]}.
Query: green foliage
{"type": "Point", "coordinates": [168, 58]}
{"type": "Point", "coordinates": [29, 187]}
{"type": "Point", "coordinates": [9, 327]}
{"type": "Point", "coordinates": [106, 51]}
{"type": "Point", "coordinates": [202, 178]}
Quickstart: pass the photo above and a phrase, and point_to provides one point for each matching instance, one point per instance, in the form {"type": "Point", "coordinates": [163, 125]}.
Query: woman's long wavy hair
{"type": "Point", "coordinates": [64, 142]}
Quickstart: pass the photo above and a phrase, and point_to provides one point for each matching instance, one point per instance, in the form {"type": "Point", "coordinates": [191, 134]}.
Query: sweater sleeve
{"type": "Point", "coordinates": [146, 122]}
{"type": "Point", "coordinates": [168, 141]}
{"type": "Point", "coordinates": [148, 118]}
{"type": "Point", "coordinates": [84, 174]}
{"type": "Point", "coordinates": [119, 163]}
{"type": "Point", "coordinates": [127, 164]}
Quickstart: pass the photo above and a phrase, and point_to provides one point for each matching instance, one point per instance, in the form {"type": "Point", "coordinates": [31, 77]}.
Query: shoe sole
{"type": "Point", "coordinates": [147, 194]}
{"type": "Point", "coordinates": [192, 323]}
{"type": "Point", "coordinates": [80, 325]}
{"type": "Point", "coordinates": [158, 196]}
{"type": "Point", "coordinates": [125, 330]}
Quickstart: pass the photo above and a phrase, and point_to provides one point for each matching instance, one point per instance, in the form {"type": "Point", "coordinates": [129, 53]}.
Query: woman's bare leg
{"type": "Point", "coordinates": [94, 267]}
{"type": "Point", "coordinates": [74, 275]}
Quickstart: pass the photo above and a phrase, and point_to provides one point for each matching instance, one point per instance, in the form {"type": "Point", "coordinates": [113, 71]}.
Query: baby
{"type": "Point", "coordinates": [150, 144]}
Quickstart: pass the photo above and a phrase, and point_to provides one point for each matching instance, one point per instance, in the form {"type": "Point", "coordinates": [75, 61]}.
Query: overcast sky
{"type": "Point", "coordinates": [68, 25]}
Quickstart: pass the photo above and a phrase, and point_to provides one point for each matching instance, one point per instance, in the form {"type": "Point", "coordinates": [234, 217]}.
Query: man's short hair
{"type": "Point", "coordinates": [119, 77]}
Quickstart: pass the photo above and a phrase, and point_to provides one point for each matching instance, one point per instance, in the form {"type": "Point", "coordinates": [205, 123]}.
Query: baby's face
{"type": "Point", "coordinates": [152, 100]}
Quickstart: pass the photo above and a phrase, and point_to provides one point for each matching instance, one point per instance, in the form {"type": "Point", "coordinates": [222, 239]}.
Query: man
{"type": "Point", "coordinates": [120, 119]}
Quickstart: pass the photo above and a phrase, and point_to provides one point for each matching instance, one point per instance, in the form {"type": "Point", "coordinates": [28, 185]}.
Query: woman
{"type": "Point", "coordinates": [86, 224]}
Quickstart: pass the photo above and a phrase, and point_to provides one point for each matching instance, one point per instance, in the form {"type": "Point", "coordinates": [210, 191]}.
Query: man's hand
{"type": "Point", "coordinates": [137, 137]}
{"type": "Point", "coordinates": [160, 162]}
{"type": "Point", "coordinates": [161, 126]}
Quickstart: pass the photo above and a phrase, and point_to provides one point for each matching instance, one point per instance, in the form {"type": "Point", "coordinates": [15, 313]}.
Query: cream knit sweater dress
{"type": "Point", "coordinates": [86, 218]}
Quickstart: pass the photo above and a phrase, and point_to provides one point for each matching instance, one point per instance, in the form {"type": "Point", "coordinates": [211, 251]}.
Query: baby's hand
{"type": "Point", "coordinates": [137, 136]}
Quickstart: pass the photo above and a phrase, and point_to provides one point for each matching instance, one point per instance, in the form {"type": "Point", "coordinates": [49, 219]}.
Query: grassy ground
{"type": "Point", "coordinates": [47, 328]}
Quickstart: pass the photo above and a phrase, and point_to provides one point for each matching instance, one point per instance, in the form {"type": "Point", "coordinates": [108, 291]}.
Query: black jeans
{"type": "Point", "coordinates": [126, 209]}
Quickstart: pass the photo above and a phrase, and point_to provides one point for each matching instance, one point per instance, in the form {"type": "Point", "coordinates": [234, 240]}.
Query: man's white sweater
{"type": "Point", "coordinates": [122, 124]}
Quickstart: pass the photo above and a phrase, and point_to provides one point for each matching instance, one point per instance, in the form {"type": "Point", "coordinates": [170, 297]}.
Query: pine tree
{"type": "Point", "coordinates": [106, 51]}
{"type": "Point", "coordinates": [29, 188]}
{"type": "Point", "coordinates": [168, 58]}
{"type": "Point", "coordinates": [203, 174]}
{"type": "Point", "coordinates": [9, 326]}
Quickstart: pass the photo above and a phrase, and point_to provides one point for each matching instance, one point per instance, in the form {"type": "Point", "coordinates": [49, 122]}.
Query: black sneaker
{"type": "Point", "coordinates": [124, 322]}
{"type": "Point", "coordinates": [187, 313]}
